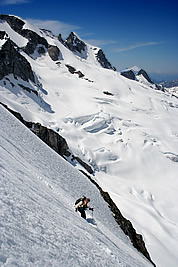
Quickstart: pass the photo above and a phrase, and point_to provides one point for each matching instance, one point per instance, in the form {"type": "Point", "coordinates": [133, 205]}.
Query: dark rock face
{"type": "Point", "coordinates": [54, 52]}
{"type": "Point", "coordinates": [15, 23]}
{"type": "Point", "coordinates": [2, 35]}
{"type": "Point", "coordinates": [60, 39]}
{"type": "Point", "coordinates": [125, 224]}
{"type": "Point", "coordinates": [72, 70]}
{"type": "Point", "coordinates": [78, 46]}
{"type": "Point", "coordinates": [84, 164]}
{"type": "Point", "coordinates": [142, 72]}
{"type": "Point", "coordinates": [11, 61]}
{"type": "Point", "coordinates": [129, 74]}
{"type": "Point", "coordinates": [80, 74]}
{"type": "Point", "coordinates": [50, 137]}
{"type": "Point", "coordinates": [75, 44]}
{"type": "Point", "coordinates": [103, 60]}
{"type": "Point", "coordinates": [34, 40]}
{"type": "Point", "coordinates": [107, 93]}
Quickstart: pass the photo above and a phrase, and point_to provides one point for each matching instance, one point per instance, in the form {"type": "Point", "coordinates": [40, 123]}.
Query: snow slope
{"type": "Point", "coordinates": [38, 224]}
{"type": "Point", "coordinates": [129, 137]}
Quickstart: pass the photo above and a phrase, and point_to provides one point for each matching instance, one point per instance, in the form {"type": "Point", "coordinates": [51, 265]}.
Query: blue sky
{"type": "Point", "coordinates": [141, 33]}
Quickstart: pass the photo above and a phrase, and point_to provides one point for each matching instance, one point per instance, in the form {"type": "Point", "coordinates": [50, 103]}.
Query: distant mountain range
{"type": "Point", "coordinates": [169, 84]}
{"type": "Point", "coordinates": [171, 87]}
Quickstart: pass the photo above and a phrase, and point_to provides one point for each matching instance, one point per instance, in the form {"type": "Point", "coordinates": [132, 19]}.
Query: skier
{"type": "Point", "coordinates": [81, 205]}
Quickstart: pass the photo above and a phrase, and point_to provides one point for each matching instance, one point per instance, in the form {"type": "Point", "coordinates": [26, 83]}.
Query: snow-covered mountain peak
{"type": "Point", "coordinates": [140, 75]}
{"type": "Point", "coordinates": [76, 45]}
{"type": "Point", "coordinates": [86, 51]}
{"type": "Point", "coordinates": [135, 69]}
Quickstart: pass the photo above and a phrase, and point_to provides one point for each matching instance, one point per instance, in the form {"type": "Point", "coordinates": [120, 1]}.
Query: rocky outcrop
{"type": "Point", "coordinates": [107, 93]}
{"type": "Point", "coordinates": [34, 40]}
{"type": "Point", "coordinates": [15, 23]}
{"type": "Point", "coordinates": [72, 70]}
{"type": "Point", "coordinates": [50, 137]}
{"type": "Point", "coordinates": [76, 45]}
{"type": "Point", "coordinates": [60, 38]}
{"type": "Point", "coordinates": [11, 61]}
{"type": "Point", "coordinates": [103, 60]}
{"type": "Point", "coordinates": [80, 48]}
{"type": "Point", "coordinates": [129, 74]}
{"type": "Point", "coordinates": [2, 35]}
{"type": "Point", "coordinates": [145, 75]}
{"type": "Point", "coordinates": [54, 52]}
{"type": "Point", "coordinates": [82, 163]}
{"type": "Point", "coordinates": [126, 225]}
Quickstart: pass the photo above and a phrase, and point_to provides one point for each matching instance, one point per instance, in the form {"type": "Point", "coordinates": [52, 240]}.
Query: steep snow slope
{"type": "Point", "coordinates": [127, 131]}
{"type": "Point", "coordinates": [15, 37]}
{"type": "Point", "coordinates": [38, 223]}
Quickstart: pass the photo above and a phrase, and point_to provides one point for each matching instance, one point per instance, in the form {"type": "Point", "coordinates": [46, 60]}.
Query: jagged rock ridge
{"type": "Point", "coordinates": [39, 44]}
{"type": "Point", "coordinates": [129, 74]}
{"type": "Point", "coordinates": [143, 72]}
{"type": "Point", "coordinates": [51, 138]}
{"type": "Point", "coordinates": [35, 42]}
{"type": "Point", "coordinates": [76, 45]}
{"type": "Point", "coordinates": [132, 74]}
{"type": "Point", "coordinates": [103, 60]}
{"type": "Point", "coordinates": [11, 61]}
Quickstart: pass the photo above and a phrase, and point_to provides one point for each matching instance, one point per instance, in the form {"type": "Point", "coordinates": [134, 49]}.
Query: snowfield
{"type": "Point", "coordinates": [38, 224]}
{"type": "Point", "coordinates": [124, 129]}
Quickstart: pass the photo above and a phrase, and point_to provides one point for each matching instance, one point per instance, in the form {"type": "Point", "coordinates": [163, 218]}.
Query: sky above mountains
{"type": "Point", "coordinates": [130, 32]}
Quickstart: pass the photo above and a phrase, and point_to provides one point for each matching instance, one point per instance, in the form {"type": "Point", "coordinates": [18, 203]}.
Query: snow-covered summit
{"type": "Point", "coordinates": [76, 45]}
{"type": "Point", "coordinates": [140, 75]}
{"type": "Point", "coordinates": [87, 51]}
{"type": "Point", "coordinates": [135, 69]}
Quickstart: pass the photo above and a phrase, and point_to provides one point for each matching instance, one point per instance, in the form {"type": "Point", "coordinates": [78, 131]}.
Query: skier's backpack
{"type": "Point", "coordinates": [80, 199]}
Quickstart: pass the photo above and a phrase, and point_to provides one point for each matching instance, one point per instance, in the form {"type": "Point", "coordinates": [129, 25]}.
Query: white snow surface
{"type": "Point", "coordinates": [38, 224]}
{"type": "Point", "coordinates": [129, 137]}
{"type": "Point", "coordinates": [173, 91]}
